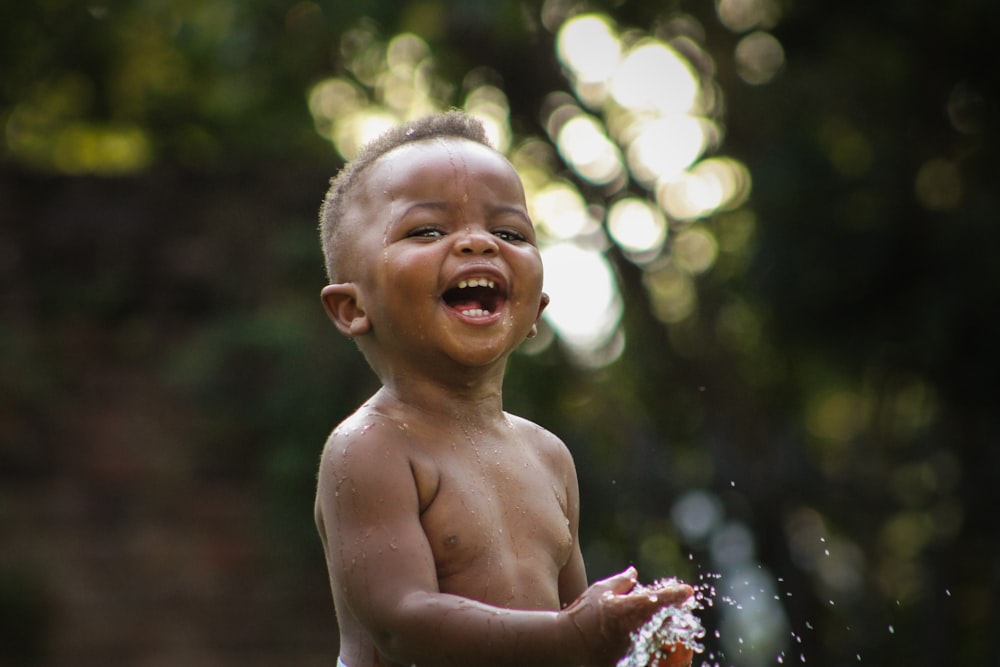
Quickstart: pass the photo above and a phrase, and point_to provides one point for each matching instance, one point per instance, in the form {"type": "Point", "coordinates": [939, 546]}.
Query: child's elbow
{"type": "Point", "coordinates": [405, 636]}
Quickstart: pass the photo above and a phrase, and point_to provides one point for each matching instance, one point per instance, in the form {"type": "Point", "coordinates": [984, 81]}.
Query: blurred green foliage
{"type": "Point", "coordinates": [162, 338]}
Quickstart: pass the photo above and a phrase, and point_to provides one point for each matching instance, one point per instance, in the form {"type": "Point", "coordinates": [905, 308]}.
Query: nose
{"type": "Point", "coordinates": [476, 242]}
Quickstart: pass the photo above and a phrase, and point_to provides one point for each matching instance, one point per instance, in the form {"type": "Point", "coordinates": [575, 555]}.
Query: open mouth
{"type": "Point", "coordinates": [475, 297]}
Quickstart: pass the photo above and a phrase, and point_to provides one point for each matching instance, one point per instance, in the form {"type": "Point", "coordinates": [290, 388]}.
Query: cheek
{"type": "Point", "coordinates": [533, 272]}
{"type": "Point", "coordinates": [530, 274]}
{"type": "Point", "coordinates": [407, 283]}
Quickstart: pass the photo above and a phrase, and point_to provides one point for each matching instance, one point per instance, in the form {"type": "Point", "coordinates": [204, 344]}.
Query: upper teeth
{"type": "Point", "coordinates": [476, 282]}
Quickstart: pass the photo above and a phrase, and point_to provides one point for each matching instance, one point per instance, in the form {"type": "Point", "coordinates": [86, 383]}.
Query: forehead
{"type": "Point", "coordinates": [440, 166]}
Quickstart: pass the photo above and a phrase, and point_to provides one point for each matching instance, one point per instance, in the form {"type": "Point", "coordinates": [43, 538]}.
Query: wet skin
{"type": "Point", "coordinates": [450, 526]}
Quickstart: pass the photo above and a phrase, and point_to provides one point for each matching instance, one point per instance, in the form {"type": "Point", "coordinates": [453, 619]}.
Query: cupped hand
{"type": "Point", "coordinates": [613, 608]}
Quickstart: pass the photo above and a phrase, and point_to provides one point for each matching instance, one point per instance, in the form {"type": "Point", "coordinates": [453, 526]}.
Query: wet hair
{"type": "Point", "coordinates": [450, 124]}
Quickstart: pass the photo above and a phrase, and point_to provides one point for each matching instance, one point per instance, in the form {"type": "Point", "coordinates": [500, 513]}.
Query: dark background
{"type": "Point", "coordinates": [167, 376]}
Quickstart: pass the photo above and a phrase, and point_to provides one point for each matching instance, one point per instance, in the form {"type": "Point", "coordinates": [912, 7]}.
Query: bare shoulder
{"type": "Point", "coordinates": [363, 426]}
{"type": "Point", "coordinates": [366, 444]}
{"type": "Point", "coordinates": [548, 446]}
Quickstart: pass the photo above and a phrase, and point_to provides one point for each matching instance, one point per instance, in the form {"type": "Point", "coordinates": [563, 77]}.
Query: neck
{"type": "Point", "coordinates": [474, 400]}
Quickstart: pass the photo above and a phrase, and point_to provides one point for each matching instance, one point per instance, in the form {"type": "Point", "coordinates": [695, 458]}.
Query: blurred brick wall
{"type": "Point", "coordinates": [125, 537]}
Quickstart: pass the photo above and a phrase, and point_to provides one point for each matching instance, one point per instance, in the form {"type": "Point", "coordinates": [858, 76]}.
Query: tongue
{"type": "Point", "coordinates": [471, 304]}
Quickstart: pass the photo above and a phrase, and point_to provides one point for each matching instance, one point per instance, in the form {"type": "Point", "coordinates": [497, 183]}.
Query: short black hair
{"type": "Point", "coordinates": [450, 124]}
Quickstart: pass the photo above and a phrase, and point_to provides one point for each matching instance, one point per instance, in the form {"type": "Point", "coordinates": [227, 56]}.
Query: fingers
{"type": "Point", "coordinates": [612, 608]}
{"type": "Point", "coordinates": [673, 593]}
{"type": "Point", "coordinates": [637, 606]}
{"type": "Point", "coordinates": [619, 583]}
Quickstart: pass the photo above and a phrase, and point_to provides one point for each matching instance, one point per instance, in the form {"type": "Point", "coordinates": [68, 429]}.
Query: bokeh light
{"type": "Point", "coordinates": [48, 130]}
{"type": "Point", "coordinates": [652, 122]}
{"type": "Point", "coordinates": [638, 227]}
{"type": "Point", "coordinates": [654, 77]}
{"type": "Point", "coordinates": [392, 82]}
{"type": "Point", "coordinates": [672, 293]}
{"type": "Point", "coordinates": [759, 57]}
{"type": "Point", "coordinates": [588, 47]}
{"type": "Point", "coordinates": [743, 15]}
{"type": "Point", "coordinates": [489, 104]}
{"type": "Point", "coordinates": [938, 185]}
{"type": "Point", "coordinates": [587, 149]}
{"type": "Point", "coordinates": [712, 185]}
{"type": "Point", "coordinates": [665, 146]}
{"type": "Point", "coordinates": [559, 211]}
{"type": "Point", "coordinates": [695, 250]}
{"type": "Point", "coordinates": [586, 307]}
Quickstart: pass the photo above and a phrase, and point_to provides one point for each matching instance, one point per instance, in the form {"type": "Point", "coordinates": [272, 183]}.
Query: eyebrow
{"type": "Point", "coordinates": [444, 206]}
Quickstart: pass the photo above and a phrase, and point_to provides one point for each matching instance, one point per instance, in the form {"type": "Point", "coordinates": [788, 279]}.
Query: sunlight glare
{"type": "Point", "coordinates": [332, 98]}
{"type": "Point", "coordinates": [636, 226]}
{"type": "Point", "coordinates": [665, 146]}
{"type": "Point", "coordinates": [586, 308]}
{"type": "Point", "coordinates": [489, 104]}
{"type": "Point", "coordinates": [559, 211]}
{"type": "Point", "coordinates": [654, 77]}
{"type": "Point", "coordinates": [405, 51]}
{"type": "Point", "coordinates": [712, 185]}
{"type": "Point", "coordinates": [588, 47]}
{"type": "Point", "coordinates": [582, 142]}
{"type": "Point", "coordinates": [352, 132]}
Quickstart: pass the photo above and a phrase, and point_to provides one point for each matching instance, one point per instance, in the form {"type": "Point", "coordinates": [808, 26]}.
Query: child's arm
{"type": "Point", "coordinates": [383, 568]}
{"type": "Point", "coordinates": [626, 614]}
{"type": "Point", "coordinates": [573, 576]}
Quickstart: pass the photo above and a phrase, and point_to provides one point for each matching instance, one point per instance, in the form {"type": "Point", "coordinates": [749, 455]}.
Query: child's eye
{"type": "Point", "coordinates": [509, 235]}
{"type": "Point", "coordinates": [426, 233]}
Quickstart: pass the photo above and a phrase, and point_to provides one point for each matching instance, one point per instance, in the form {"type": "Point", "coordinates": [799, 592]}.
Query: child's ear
{"type": "Point", "coordinates": [541, 305]}
{"type": "Point", "coordinates": [544, 301]}
{"type": "Point", "coordinates": [342, 307]}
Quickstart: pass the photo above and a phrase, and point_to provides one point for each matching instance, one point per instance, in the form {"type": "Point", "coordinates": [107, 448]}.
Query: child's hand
{"type": "Point", "coordinates": [609, 611]}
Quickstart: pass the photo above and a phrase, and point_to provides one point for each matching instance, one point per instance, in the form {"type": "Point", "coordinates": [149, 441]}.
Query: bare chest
{"type": "Point", "coordinates": [498, 528]}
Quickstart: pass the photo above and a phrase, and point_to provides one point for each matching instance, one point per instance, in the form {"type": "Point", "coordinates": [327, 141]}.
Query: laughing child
{"type": "Point", "coordinates": [450, 526]}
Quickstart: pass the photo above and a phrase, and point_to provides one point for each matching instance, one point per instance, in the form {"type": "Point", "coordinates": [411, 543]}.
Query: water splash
{"type": "Point", "coordinates": [670, 629]}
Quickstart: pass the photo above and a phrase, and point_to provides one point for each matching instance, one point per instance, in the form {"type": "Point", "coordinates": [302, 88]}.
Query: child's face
{"type": "Point", "coordinates": [445, 259]}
